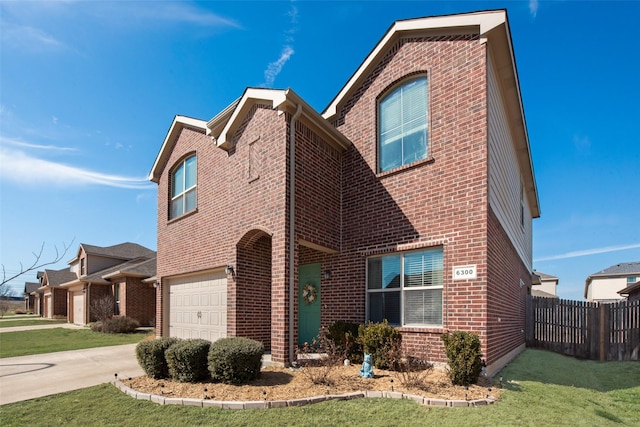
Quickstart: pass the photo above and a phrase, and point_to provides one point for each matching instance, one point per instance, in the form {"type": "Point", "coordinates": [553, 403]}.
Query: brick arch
{"type": "Point", "coordinates": [252, 314]}
{"type": "Point", "coordinates": [250, 237]}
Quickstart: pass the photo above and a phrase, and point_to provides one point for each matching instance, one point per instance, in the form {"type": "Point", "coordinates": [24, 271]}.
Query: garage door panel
{"type": "Point", "coordinates": [197, 306]}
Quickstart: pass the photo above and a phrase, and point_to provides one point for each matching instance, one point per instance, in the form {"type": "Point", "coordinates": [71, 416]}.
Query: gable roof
{"type": "Point", "coordinates": [539, 293]}
{"type": "Point", "coordinates": [179, 123]}
{"type": "Point", "coordinates": [134, 268]}
{"type": "Point", "coordinates": [492, 26]}
{"type": "Point", "coordinates": [57, 277]}
{"type": "Point", "coordinates": [30, 287]}
{"type": "Point", "coordinates": [223, 126]}
{"type": "Point", "coordinates": [122, 251]}
{"type": "Point", "coordinates": [545, 276]}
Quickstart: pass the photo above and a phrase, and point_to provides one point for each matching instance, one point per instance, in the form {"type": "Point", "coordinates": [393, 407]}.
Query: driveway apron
{"type": "Point", "coordinates": [28, 377]}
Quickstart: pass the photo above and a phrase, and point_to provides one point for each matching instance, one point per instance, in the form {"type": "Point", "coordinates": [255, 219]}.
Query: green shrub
{"type": "Point", "coordinates": [187, 360]}
{"type": "Point", "coordinates": [116, 325]}
{"type": "Point", "coordinates": [151, 358]}
{"type": "Point", "coordinates": [379, 340]}
{"type": "Point", "coordinates": [235, 360]}
{"type": "Point", "coordinates": [465, 357]}
{"type": "Point", "coordinates": [345, 335]}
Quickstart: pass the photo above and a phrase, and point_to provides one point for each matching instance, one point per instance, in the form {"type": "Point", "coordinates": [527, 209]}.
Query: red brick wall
{"type": "Point", "coordinates": [137, 300]}
{"type": "Point", "coordinates": [505, 296]}
{"type": "Point", "coordinates": [253, 291]}
{"type": "Point", "coordinates": [231, 203]}
{"type": "Point", "coordinates": [440, 201]}
{"type": "Point", "coordinates": [59, 302]}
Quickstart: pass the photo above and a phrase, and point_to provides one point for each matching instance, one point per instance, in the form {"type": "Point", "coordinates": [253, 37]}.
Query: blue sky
{"type": "Point", "coordinates": [88, 91]}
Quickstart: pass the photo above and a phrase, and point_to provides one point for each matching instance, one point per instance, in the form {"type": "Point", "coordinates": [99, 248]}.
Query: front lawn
{"type": "Point", "coordinates": [540, 388]}
{"type": "Point", "coordinates": [39, 341]}
{"type": "Point", "coordinates": [29, 322]}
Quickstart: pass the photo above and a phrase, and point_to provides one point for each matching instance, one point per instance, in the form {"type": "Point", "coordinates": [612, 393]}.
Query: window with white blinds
{"type": "Point", "coordinates": [406, 289]}
{"type": "Point", "coordinates": [402, 118]}
{"type": "Point", "coordinates": [183, 187]}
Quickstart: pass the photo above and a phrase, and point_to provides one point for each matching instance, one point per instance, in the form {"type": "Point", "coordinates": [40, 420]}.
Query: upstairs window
{"type": "Point", "coordinates": [402, 118]}
{"type": "Point", "coordinates": [183, 187]}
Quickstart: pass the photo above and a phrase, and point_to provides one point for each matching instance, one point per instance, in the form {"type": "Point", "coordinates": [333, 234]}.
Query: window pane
{"type": "Point", "coordinates": [178, 181]}
{"type": "Point", "coordinates": [423, 268]}
{"type": "Point", "coordinates": [190, 201]}
{"type": "Point", "coordinates": [403, 125]}
{"type": "Point", "coordinates": [384, 272]}
{"type": "Point", "coordinates": [177, 207]}
{"type": "Point", "coordinates": [423, 307]}
{"type": "Point", "coordinates": [384, 305]}
{"type": "Point", "coordinates": [190, 173]}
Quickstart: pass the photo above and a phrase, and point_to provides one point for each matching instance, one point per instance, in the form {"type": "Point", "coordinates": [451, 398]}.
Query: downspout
{"type": "Point", "coordinates": [292, 221]}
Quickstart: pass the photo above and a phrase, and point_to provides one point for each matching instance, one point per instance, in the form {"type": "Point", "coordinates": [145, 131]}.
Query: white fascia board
{"type": "Point", "coordinates": [178, 123]}
{"type": "Point", "coordinates": [485, 21]}
{"type": "Point", "coordinates": [275, 96]}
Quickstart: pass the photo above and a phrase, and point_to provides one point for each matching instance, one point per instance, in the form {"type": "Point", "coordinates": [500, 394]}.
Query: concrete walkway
{"type": "Point", "coordinates": [28, 377]}
{"type": "Point", "coordinates": [33, 327]}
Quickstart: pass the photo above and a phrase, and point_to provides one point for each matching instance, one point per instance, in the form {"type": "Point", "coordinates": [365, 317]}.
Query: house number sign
{"type": "Point", "coordinates": [464, 272]}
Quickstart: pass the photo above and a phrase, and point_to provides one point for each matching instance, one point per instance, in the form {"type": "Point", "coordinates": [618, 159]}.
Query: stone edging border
{"type": "Point", "coordinates": [267, 404]}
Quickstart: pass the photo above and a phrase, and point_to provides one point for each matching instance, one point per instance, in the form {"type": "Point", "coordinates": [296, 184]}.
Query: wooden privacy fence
{"type": "Point", "coordinates": [584, 329]}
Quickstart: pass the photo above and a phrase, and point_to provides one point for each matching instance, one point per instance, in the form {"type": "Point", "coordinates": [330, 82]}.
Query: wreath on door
{"type": "Point", "coordinates": [309, 293]}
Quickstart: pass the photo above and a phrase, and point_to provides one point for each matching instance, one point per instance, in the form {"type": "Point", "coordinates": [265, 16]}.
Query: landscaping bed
{"type": "Point", "coordinates": [278, 383]}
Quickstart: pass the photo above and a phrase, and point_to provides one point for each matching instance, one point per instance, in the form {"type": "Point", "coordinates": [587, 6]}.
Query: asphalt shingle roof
{"type": "Point", "coordinates": [622, 269]}
{"type": "Point", "coordinates": [57, 277]}
{"type": "Point", "coordinates": [31, 287]}
{"type": "Point", "coordinates": [126, 250]}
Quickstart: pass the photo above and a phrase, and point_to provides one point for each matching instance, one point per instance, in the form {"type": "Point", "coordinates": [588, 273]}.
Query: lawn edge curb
{"type": "Point", "coordinates": [268, 404]}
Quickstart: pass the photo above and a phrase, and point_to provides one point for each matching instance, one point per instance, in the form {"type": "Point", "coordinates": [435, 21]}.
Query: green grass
{"type": "Point", "coordinates": [540, 388]}
{"type": "Point", "coordinates": [29, 322]}
{"type": "Point", "coordinates": [59, 339]}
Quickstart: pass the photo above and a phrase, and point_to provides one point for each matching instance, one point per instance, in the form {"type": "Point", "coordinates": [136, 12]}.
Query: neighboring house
{"type": "Point", "coordinates": [409, 199]}
{"type": "Point", "coordinates": [631, 292]}
{"type": "Point", "coordinates": [54, 297]}
{"type": "Point", "coordinates": [30, 292]}
{"type": "Point", "coordinates": [545, 286]}
{"type": "Point", "coordinates": [604, 286]}
{"type": "Point", "coordinates": [114, 271]}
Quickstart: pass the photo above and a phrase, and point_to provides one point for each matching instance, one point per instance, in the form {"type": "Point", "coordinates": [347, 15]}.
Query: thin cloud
{"type": "Point", "coordinates": [20, 167]}
{"type": "Point", "coordinates": [19, 143]}
{"type": "Point", "coordinates": [274, 68]}
{"type": "Point", "coordinates": [28, 38]}
{"type": "Point", "coordinates": [533, 7]}
{"type": "Point", "coordinates": [586, 252]}
{"type": "Point", "coordinates": [186, 13]}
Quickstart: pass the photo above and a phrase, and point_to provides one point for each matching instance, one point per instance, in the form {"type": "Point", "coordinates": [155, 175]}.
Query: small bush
{"type": "Point", "coordinates": [116, 325]}
{"type": "Point", "coordinates": [345, 335]}
{"type": "Point", "coordinates": [102, 308]}
{"type": "Point", "coordinates": [235, 360]}
{"type": "Point", "coordinates": [378, 340]}
{"type": "Point", "coordinates": [465, 357]}
{"type": "Point", "coordinates": [187, 360]}
{"type": "Point", "coordinates": [151, 358]}
{"type": "Point", "coordinates": [411, 371]}
{"type": "Point", "coordinates": [318, 370]}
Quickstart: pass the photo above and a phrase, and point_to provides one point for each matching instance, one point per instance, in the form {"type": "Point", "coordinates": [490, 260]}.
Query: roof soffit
{"type": "Point", "coordinates": [222, 131]}
{"type": "Point", "coordinates": [179, 123]}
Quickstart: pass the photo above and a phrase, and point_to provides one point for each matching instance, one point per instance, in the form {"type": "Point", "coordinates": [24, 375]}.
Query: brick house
{"type": "Point", "coordinates": [118, 271]}
{"type": "Point", "coordinates": [31, 300]}
{"type": "Point", "coordinates": [53, 296]}
{"type": "Point", "coordinates": [410, 198]}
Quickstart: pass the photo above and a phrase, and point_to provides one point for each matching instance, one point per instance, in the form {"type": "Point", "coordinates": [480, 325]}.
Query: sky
{"type": "Point", "coordinates": [88, 90]}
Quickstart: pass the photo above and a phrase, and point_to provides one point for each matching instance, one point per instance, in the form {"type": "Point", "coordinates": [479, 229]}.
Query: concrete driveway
{"type": "Point", "coordinates": [28, 377]}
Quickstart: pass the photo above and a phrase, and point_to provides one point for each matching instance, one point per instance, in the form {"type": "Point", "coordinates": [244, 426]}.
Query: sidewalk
{"type": "Point", "coordinates": [31, 328]}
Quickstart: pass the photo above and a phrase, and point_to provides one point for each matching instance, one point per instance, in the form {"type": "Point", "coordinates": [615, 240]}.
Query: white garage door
{"type": "Point", "coordinates": [198, 306]}
{"type": "Point", "coordinates": [78, 308]}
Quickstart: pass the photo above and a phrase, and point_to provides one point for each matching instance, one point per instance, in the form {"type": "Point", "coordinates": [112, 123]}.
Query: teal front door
{"type": "Point", "coordinates": [308, 302]}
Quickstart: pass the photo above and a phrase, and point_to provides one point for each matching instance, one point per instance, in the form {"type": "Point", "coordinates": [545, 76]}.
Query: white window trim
{"type": "Point", "coordinates": [183, 194]}
{"type": "Point", "coordinates": [402, 290]}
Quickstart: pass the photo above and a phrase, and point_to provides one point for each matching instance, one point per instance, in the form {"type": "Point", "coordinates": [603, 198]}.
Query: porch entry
{"type": "Point", "coordinates": [308, 302]}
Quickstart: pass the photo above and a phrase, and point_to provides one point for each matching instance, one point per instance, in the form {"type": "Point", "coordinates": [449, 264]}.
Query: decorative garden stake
{"type": "Point", "coordinates": [367, 369]}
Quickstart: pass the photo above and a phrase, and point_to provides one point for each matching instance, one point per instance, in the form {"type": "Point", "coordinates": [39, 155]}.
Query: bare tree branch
{"type": "Point", "coordinates": [34, 266]}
